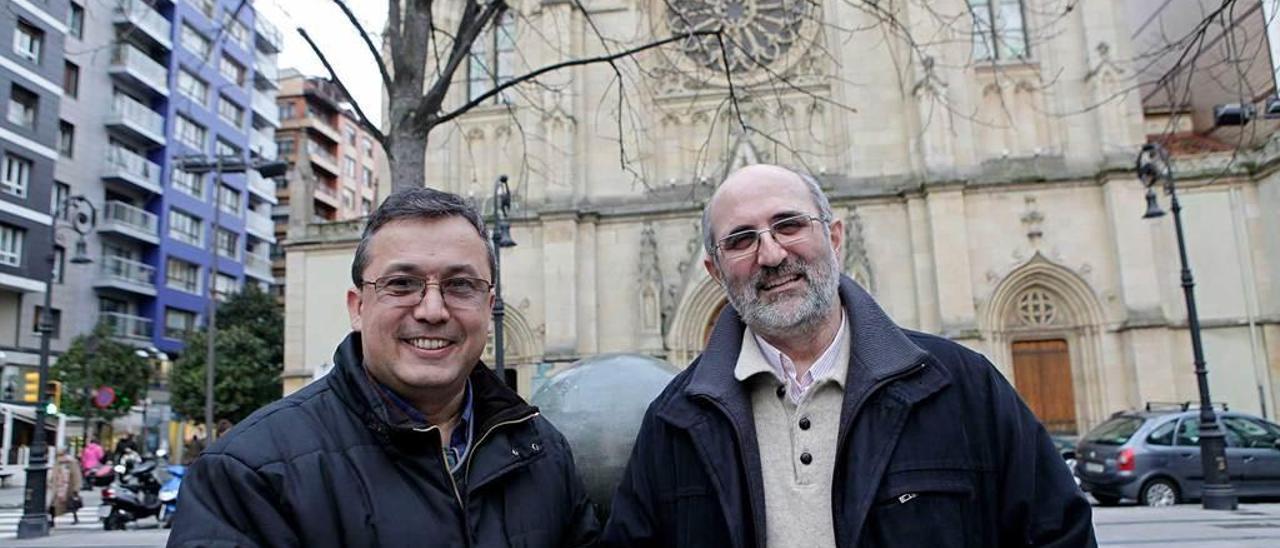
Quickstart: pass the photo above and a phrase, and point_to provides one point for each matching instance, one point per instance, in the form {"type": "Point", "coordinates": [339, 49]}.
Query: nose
{"type": "Point", "coordinates": [769, 252]}
{"type": "Point", "coordinates": [431, 308]}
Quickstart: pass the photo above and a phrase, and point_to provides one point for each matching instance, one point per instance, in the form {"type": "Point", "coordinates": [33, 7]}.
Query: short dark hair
{"type": "Point", "coordinates": [418, 203]}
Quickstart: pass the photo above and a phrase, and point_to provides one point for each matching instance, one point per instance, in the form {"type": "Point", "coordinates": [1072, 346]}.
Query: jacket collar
{"type": "Point", "coordinates": [492, 401]}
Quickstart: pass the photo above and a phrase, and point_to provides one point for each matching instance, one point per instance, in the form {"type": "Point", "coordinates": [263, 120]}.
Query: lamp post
{"type": "Point", "coordinates": [501, 239]}
{"type": "Point", "coordinates": [1154, 168]}
{"type": "Point", "coordinates": [200, 165]}
{"type": "Point", "coordinates": [153, 356]}
{"type": "Point", "coordinates": [83, 216]}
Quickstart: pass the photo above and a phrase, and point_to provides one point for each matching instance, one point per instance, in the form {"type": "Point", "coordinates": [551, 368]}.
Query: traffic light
{"type": "Point", "coordinates": [53, 396]}
{"type": "Point", "coordinates": [31, 387]}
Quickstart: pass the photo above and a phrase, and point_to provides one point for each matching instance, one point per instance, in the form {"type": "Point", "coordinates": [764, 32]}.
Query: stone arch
{"type": "Point", "coordinates": [518, 341]}
{"type": "Point", "coordinates": [1077, 317]}
{"type": "Point", "coordinates": [702, 298]}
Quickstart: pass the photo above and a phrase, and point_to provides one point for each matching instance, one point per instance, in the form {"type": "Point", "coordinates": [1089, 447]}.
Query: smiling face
{"type": "Point", "coordinates": [777, 290]}
{"type": "Point", "coordinates": [428, 348]}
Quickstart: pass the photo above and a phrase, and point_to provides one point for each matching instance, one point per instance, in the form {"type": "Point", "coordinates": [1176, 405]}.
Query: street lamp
{"type": "Point", "coordinates": [501, 239]}
{"type": "Point", "coordinates": [200, 165]}
{"type": "Point", "coordinates": [1154, 169]}
{"type": "Point", "coordinates": [153, 356]}
{"type": "Point", "coordinates": [83, 216]}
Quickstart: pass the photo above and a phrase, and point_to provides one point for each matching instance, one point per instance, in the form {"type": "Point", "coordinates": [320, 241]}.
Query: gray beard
{"type": "Point", "coordinates": [806, 311]}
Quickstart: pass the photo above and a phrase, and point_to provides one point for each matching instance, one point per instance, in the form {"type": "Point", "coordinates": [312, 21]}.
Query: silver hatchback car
{"type": "Point", "coordinates": [1153, 456]}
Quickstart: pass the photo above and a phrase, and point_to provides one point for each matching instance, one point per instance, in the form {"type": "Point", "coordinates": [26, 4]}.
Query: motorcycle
{"type": "Point", "coordinates": [134, 496]}
{"type": "Point", "coordinates": [169, 494]}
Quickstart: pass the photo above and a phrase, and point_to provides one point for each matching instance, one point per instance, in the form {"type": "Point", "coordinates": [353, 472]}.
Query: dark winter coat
{"type": "Point", "coordinates": [325, 467]}
{"type": "Point", "coordinates": [922, 416]}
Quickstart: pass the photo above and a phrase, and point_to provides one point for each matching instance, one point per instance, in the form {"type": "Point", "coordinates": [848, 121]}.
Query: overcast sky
{"type": "Point", "coordinates": [339, 42]}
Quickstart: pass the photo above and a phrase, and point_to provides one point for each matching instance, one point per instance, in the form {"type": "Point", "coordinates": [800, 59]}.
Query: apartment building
{"type": "Point", "coordinates": [32, 79]}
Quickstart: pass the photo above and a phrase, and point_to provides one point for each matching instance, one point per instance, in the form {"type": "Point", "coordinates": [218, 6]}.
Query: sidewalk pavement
{"type": "Point", "coordinates": [1252, 525]}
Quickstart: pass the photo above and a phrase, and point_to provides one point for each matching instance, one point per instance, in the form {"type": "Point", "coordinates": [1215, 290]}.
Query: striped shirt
{"type": "Point", "coordinates": [785, 369]}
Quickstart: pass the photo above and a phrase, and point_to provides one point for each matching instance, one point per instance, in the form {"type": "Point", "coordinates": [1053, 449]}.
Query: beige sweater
{"type": "Point", "coordinates": [797, 448]}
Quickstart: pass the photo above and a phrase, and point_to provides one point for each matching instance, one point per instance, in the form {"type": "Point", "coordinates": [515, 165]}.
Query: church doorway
{"type": "Point", "coordinates": [1042, 376]}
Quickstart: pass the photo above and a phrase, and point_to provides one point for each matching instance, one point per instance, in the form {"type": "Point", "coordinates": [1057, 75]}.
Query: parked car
{"type": "Point", "coordinates": [1153, 456]}
{"type": "Point", "coordinates": [1066, 447]}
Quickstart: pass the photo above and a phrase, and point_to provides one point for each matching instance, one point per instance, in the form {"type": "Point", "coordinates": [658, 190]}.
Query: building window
{"type": "Point", "coordinates": [61, 191]}
{"type": "Point", "coordinates": [23, 104]}
{"type": "Point", "coordinates": [206, 7]}
{"type": "Point", "coordinates": [224, 286]}
{"type": "Point", "coordinates": [178, 324]}
{"type": "Point", "coordinates": [285, 110]}
{"type": "Point", "coordinates": [192, 86]}
{"type": "Point", "coordinates": [231, 69]}
{"type": "Point", "coordinates": [237, 31]}
{"type": "Point", "coordinates": [366, 176]}
{"type": "Point", "coordinates": [230, 112]}
{"type": "Point", "coordinates": [17, 173]}
{"type": "Point", "coordinates": [349, 133]}
{"type": "Point", "coordinates": [224, 148]}
{"type": "Point", "coordinates": [189, 132]}
{"type": "Point", "coordinates": [28, 40]}
{"type": "Point", "coordinates": [188, 182]}
{"type": "Point", "coordinates": [367, 145]}
{"type": "Point", "coordinates": [999, 30]}
{"type": "Point", "coordinates": [366, 206]}
{"type": "Point", "coordinates": [186, 228]}
{"type": "Point", "coordinates": [59, 263]}
{"type": "Point", "coordinates": [228, 243]}
{"type": "Point", "coordinates": [11, 245]}
{"type": "Point", "coordinates": [229, 199]}
{"type": "Point", "coordinates": [55, 321]}
{"type": "Point", "coordinates": [75, 21]}
{"type": "Point", "coordinates": [182, 275]}
{"type": "Point", "coordinates": [194, 41]}
{"type": "Point", "coordinates": [349, 166]}
{"type": "Point", "coordinates": [492, 57]}
{"type": "Point", "coordinates": [71, 79]}
{"type": "Point", "coordinates": [66, 139]}
{"type": "Point", "coordinates": [348, 198]}
{"type": "Point", "coordinates": [285, 146]}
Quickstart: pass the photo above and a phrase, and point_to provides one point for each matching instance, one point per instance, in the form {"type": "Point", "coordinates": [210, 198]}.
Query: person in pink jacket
{"type": "Point", "coordinates": [91, 459]}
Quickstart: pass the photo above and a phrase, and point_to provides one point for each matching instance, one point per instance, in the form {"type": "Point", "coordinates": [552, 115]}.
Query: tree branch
{"type": "Point", "coordinates": [469, 27]}
{"type": "Point", "coordinates": [373, 51]}
{"type": "Point", "coordinates": [364, 120]}
{"type": "Point", "coordinates": [394, 35]}
{"type": "Point", "coordinates": [564, 64]}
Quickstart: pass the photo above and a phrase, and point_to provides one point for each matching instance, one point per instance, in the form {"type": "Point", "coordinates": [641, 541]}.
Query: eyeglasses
{"type": "Point", "coordinates": [460, 292]}
{"type": "Point", "coordinates": [786, 232]}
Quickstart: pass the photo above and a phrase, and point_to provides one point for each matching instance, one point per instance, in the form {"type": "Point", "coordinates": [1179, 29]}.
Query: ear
{"type": "Point", "coordinates": [710, 264]}
{"type": "Point", "coordinates": [354, 300]}
{"type": "Point", "coordinates": [837, 239]}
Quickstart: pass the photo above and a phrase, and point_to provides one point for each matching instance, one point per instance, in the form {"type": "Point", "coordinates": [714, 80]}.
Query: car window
{"type": "Point", "coordinates": [1163, 434]}
{"type": "Point", "coordinates": [1189, 432]}
{"type": "Point", "coordinates": [1116, 431]}
{"type": "Point", "coordinates": [1252, 434]}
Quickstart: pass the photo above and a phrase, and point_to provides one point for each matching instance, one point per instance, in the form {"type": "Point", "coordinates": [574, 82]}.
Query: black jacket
{"type": "Point", "coordinates": [921, 415]}
{"type": "Point", "coordinates": [324, 467]}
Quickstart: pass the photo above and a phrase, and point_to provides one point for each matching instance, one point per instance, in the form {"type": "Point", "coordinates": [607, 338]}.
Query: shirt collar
{"type": "Point", "coordinates": [824, 368]}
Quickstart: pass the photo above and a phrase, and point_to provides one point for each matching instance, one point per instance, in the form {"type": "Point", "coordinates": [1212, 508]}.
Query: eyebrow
{"type": "Point", "coordinates": [447, 272]}
{"type": "Point", "coordinates": [775, 218]}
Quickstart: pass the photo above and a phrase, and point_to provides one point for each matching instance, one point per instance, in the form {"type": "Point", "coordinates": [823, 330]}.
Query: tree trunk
{"type": "Point", "coordinates": [408, 160]}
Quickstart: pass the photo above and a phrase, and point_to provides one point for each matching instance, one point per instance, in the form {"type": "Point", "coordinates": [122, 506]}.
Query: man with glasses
{"type": "Point", "coordinates": [409, 440]}
{"type": "Point", "coordinates": [812, 420]}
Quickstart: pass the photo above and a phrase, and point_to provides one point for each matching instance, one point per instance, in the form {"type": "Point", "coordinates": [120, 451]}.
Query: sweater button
{"type": "Point", "coordinates": [806, 458]}
{"type": "Point", "coordinates": [782, 390]}
{"type": "Point", "coordinates": [804, 423]}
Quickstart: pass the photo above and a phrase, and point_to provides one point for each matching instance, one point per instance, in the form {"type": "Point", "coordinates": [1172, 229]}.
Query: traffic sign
{"type": "Point", "coordinates": [104, 396]}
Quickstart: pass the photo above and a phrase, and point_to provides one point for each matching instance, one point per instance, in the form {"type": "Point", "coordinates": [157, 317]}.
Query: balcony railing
{"type": "Point", "coordinates": [122, 162]}
{"type": "Point", "coordinates": [257, 266]}
{"type": "Point", "coordinates": [143, 16]}
{"type": "Point", "coordinates": [132, 217]}
{"type": "Point", "coordinates": [264, 188]}
{"type": "Point", "coordinates": [128, 270]}
{"type": "Point", "coordinates": [127, 326]}
{"type": "Point", "coordinates": [260, 224]}
{"type": "Point", "coordinates": [265, 67]}
{"type": "Point", "coordinates": [264, 106]}
{"type": "Point", "coordinates": [269, 37]}
{"type": "Point", "coordinates": [264, 145]}
{"type": "Point", "coordinates": [145, 69]}
{"type": "Point", "coordinates": [127, 110]}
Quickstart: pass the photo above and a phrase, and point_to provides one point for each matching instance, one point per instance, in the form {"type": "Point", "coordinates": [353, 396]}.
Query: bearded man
{"type": "Point", "coordinates": [811, 419]}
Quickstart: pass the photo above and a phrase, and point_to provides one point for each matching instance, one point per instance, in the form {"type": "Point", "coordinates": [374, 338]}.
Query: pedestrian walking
{"type": "Point", "coordinates": [64, 486]}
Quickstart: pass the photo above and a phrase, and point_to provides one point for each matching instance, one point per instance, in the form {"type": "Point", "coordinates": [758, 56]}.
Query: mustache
{"type": "Point", "coordinates": [786, 269]}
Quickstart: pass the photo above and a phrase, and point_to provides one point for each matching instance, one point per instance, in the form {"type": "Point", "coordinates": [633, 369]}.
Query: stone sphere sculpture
{"type": "Point", "coordinates": [598, 403]}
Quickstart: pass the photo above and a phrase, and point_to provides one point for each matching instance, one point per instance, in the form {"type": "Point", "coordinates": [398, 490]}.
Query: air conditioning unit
{"type": "Point", "coordinates": [1233, 114]}
{"type": "Point", "coordinates": [1272, 110]}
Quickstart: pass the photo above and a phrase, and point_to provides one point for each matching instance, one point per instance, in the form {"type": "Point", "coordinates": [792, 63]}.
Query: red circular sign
{"type": "Point", "coordinates": [104, 396]}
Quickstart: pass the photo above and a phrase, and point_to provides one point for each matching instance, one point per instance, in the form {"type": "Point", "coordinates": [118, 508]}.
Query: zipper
{"type": "Point", "coordinates": [472, 450]}
{"type": "Point", "coordinates": [444, 459]}
{"type": "Point", "coordinates": [906, 498]}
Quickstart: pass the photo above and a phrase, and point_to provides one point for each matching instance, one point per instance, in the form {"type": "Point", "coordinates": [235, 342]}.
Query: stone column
{"type": "Point", "coordinates": [948, 233]}
{"type": "Point", "coordinates": [560, 261]}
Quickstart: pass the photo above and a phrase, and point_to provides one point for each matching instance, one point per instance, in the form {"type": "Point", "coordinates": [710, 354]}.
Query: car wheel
{"type": "Point", "coordinates": [1159, 492]}
{"type": "Point", "coordinates": [1106, 500]}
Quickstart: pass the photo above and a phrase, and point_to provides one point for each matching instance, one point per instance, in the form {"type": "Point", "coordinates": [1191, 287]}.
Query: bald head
{"type": "Point", "coordinates": [757, 179]}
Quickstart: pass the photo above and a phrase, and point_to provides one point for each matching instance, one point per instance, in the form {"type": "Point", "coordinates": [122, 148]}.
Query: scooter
{"type": "Point", "coordinates": [134, 496]}
{"type": "Point", "coordinates": [169, 494]}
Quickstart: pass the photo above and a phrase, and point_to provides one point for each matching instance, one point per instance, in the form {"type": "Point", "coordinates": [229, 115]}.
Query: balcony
{"type": "Point", "coordinates": [265, 73]}
{"type": "Point", "coordinates": [127, 326]}
{"type": "Point", "coordinates": [121, 274]}
{"type": "Point", "coordinates": [260, 226]}
{"type": "Point", "coordinates": [269, 38]}
{"type": "Point", "coordinates": [257, 266]}
{"type": "Point", "coordinates": [263, 188]}
{"type": "Point", "coordinates": [133, 118]}
{"type": "Point", "coordinates": [134, 67]}
{"type": "Point", "coordinates": [265, 110]}
{"type": "Point", "coordinates": [327, 195]}
{"type": "Point", "coordinates": [132, 168]}
{"type": "Point", "coordinates": [140, 15]}
{"type": "Point", "coordinates": [323, 159]}
{"type": "Point", "coordinates": [263, 145]}
{"type": "Point", "coordinates": [130, 221]}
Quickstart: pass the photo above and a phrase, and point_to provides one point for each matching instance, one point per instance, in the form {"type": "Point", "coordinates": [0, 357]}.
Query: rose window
{"type": "Point", "coordinates": [756, 32]}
